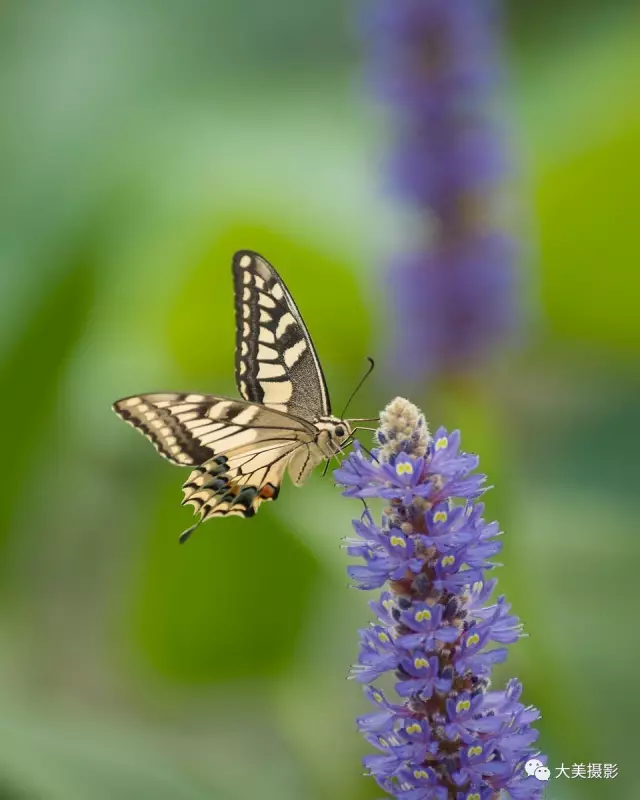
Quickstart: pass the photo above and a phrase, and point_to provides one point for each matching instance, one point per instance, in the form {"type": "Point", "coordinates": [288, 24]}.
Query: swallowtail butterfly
{"type": "Point", "coordinates": [238, 450]}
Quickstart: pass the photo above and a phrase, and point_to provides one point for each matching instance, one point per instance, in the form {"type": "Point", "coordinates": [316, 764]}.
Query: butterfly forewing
{"type": "Point", "coordinates": [170, 420]}
{"type": "Point", "coordinates": [276, 362]}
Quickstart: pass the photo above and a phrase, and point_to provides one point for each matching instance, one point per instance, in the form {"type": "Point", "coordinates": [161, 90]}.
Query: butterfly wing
{"type": "Point", "coordinates": [237, 483]}
{"type": "Point", "coordinates": [276, 362]}
{"type": "Point", "coordinates": [170, 421]}
{"type": "Point", "coordinates": [239, 449]}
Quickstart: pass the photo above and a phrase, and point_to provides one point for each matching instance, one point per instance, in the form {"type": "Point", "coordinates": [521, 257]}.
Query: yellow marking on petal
{"type": "Point", "coordinates": [463, 705]}
{"type": "Point", "coordinates": [447, 561]}
{"type": "Point", "coordinates": [382, 637]}
{"type": "Point", "coordinates": [413, 728]}
{"type": "Point", "coordinates": [442, 443]}
{"type": "Point", "coordinates": [422, 616]}
{"type": "Point", "coordinates": [420, 773]}
{"type": "Point", "coordinates": [377, 697]}
{"type": "Point", "coordinates": [440, 516]}
{"type": "Point", "coordinates": [388, 603]}
{"type": "Point", "coordinates": [404, 467]}
{"type": "Point", "coordinates": [473, 639]}
{"type": "Point", "coordinates": [474, 751]}
{"type": "Point", "coordinates": [398, 541]}
{"type": "Point", "coordinates": [477, 586]}
{"type": "Point", "coordinates": [420, 662]}
{"type": "Point", "coordinates": [473, 796]}
{"type": "Point", "coordinates": [383, 742]}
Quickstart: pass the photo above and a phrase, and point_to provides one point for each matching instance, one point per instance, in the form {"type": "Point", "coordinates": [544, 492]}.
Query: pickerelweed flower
{"type": "Point", "coordinates": [454, 288]}
{"type": "Point", "coordinates": [445, 734]}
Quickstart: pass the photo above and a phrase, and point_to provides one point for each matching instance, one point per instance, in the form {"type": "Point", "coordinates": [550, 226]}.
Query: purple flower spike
{"type": "Point", "coordinates": [437, 634]}
{"type": "Point", "coordinates": [435, 65]}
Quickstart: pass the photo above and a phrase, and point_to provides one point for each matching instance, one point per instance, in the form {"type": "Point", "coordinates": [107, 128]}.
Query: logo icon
{"type": "Point", "coordinates": [537, 768]}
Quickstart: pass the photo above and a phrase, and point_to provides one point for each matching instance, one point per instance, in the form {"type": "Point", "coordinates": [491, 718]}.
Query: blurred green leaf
{"type": "Point", "coordinates": [583, 133]}
{"type": "Point", "coordinates": [71, 761]}
{"type": "Point", "coordinates": [590, 240]}
{"type": "Point", "coordinates": [229, 603]}
{"type": "Point", "coordinates": [31, 374]}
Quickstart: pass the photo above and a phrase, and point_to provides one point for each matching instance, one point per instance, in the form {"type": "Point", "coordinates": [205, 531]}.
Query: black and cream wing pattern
{"type": "Point", "coordinates": [238, 450]}
{"type": "Point", "coordinates": [276, 362]}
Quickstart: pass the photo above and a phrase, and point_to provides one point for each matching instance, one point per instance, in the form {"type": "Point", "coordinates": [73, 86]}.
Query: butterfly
{"type": "Point", "coordinates": [239, 450]}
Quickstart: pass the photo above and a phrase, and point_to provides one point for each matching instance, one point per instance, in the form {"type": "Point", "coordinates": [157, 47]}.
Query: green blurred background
{"type": "Point", "coordinates": [141, 143]}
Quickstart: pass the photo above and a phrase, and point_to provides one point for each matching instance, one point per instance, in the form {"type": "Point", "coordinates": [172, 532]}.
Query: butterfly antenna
{"type": "Point", "coordinates": [372, 365]}
{"type": "Point", "coordinates": [369, 453]}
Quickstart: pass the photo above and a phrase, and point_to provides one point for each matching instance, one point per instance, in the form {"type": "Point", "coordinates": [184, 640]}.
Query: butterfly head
{"type": "Point", "coordinates": [333, 432]}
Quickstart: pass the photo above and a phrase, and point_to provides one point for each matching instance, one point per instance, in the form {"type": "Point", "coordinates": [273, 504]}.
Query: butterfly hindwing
{"type": "Point", "coordinates": [238, 484]}
{"type": "Point", "coordinates": [276, 362]}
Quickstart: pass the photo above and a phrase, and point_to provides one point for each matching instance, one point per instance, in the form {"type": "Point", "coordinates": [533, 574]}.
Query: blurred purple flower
{"type": "Point", "coordinates": [437, 633]}
{"type": "Point", "coordinates": [455, 289]}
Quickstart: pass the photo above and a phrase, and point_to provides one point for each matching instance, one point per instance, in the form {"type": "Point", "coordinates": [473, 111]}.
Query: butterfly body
{"type": "Point", "coordinates": [332, 432]}
{"type": "Point", "coordinates": [239, 449]}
